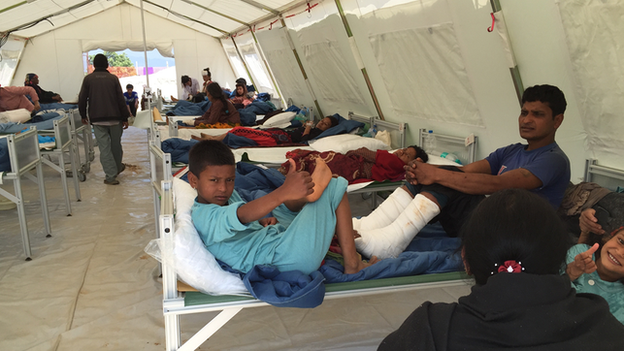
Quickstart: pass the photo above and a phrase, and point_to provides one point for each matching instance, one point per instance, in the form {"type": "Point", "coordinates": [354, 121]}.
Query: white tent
{"type": "Point", "coordinates": [430, 63]}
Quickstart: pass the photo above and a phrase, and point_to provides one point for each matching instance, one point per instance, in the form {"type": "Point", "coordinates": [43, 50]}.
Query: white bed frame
{"type": "Point", "coordinates": [177, 303]}
{"type": "Point", "coordinates": [25, 157]}
{"type": "Point", "coordinates": [607, 177]}
{"type": "Point", "coordinates": [64, 145]}
{"type": "Point", "coordinates": [465, 148]}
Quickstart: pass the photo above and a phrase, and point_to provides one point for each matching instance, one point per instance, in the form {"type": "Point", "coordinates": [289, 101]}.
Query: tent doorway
{"type": "Point", "coordinates": [129, 67]}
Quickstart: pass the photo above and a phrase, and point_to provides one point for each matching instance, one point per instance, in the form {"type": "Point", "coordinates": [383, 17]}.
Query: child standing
{"type": "Point", "coordinates": [132, 99]}
{"type": "Point", "coordinates": [598, 269]}
{"type": "Point", "coordinates": [307, 209]}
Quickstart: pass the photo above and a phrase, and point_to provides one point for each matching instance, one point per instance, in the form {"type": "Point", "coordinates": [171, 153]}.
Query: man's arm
{"type": "Point", "coordinates": [476, 178]}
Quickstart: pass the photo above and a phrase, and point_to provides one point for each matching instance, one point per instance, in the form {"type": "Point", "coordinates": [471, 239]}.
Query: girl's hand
{"type": "Point", "coordinates": [583, 263]}
{"type": "Point", "coordinates": [268, 221]}
{"type": "Point", "coordinates": [589, 223]}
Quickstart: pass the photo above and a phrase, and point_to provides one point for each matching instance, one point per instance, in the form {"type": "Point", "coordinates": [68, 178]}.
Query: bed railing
{"type": "Point", "coordinates": [607, 177]}
{"type": "Point", "coordinates": [465, 148]}
{"type": "Point", "coordinates": [25, 156]}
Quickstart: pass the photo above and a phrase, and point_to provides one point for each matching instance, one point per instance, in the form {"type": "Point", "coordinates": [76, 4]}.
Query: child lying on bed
{"type": "Point", "coordinates": [357, 164]}
{"type": "Point", "coordinates": [307, 209]}
{"type": "Point", "coordinates": [277, 136]}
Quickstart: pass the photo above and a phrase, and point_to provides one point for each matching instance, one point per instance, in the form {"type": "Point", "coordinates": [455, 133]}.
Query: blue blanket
{"type": "Point", "coordinates": [188, 108]}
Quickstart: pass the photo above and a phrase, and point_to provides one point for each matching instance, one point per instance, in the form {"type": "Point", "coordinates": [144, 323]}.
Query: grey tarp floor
{"type": "Point", "coordinates": [91, 286]}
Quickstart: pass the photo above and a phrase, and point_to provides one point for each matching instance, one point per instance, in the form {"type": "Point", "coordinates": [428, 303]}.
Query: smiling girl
{"type": "Point", "coordinates": [599, 269]}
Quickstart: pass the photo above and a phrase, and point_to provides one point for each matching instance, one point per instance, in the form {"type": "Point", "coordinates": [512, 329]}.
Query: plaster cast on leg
{"type": "Point", "coordinates": [390, 241]}
{"type": "Point", "coordinates": [386, 212]}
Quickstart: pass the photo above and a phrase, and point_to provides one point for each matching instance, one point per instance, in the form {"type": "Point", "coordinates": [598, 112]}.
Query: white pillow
{"type": "Point", "coordinates": [345, 142]}
{"type": "Point", "coordinates": [20, 115]}
{"type": "Point", "coordinates": [280, 120]}
{"type": "Point", "coordinates": [441, 161]}
{"type": "Point", "coordinates": [193, 263]}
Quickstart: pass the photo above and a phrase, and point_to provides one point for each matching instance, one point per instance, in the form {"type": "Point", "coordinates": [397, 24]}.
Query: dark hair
{"type": "Point", "coordinates": [209, 153]}
{"type": "Point", "coordinates": [214, 89]}
{"type": "Point", "coordinates": [129, 86]}
{"type": "Point", "coordinates": [601, 240]}
{"type": "Point", "coordinates": [207, 71]}
{"type": "Point", "coordinates": [100, 61]}
{"type": "Point", "coordinates": [420, 153]}
{"type": "Point", "coordinates": [185, 79]}
{"type": "Point", "coordinates": [244, 89]}
{"type": "Point", "coordinates": [241, 81]}
{"type": "Point", "coordinates": [334, 121]}
{"type": "Point", "coordinates": [514, 224]}
{"type": "Point", "coordinates": [547, 94]}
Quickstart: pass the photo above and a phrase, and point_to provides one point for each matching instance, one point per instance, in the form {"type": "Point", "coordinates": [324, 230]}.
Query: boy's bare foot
{"type": "Point", "coordinates": [195, 137]}
{"type": "Point", "coordinates": [361, 265]}
{"type": "Point", "coordinates": [321, 177]}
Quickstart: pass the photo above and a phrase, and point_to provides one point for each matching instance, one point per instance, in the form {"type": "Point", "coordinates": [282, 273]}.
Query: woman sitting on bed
{"type": "Point", "coordinates": [241, 97]}
{"type": "Point", "coordinates": [513, 245]}
{"type": "Point", "coordinates": [358, 164]}
{"type": "Point", "coordinates": [277, 136]}
{"type": "Point", "coordinates": [221, 109]}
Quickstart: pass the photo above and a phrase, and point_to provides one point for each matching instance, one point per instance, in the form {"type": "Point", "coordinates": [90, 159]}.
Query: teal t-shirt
{"type": "Point", "coordinates": [239, 245]}
{"type": "Point", "coordinates": [591, 283]}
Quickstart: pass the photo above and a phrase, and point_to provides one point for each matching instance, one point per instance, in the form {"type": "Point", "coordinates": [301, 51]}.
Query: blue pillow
{"type": "Point", "coordinates": [344, 126]}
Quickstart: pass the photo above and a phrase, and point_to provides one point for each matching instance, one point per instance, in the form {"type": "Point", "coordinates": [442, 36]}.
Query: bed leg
{"type": "Point", "coordinates": [172, 332]}
{"type": "Point", "coordinates": [209, 329]}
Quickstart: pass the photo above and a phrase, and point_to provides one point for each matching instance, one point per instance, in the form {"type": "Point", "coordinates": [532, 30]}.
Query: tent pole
{"type": "Point", "coordinates": [305, 75]}
{"type": "Point", "coordinates": [144, 44]}
{"type": "Point", "coordinates": [358, 59]}
{"type": "Point", "coordinates": [513, 66]}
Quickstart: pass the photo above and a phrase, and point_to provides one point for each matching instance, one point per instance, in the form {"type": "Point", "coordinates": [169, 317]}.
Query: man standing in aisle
{"type": "Point", "coordinates": [101, 92]}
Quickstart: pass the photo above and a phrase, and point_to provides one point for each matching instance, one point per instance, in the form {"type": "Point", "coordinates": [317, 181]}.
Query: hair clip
{"type": "Point", "coordinates": [510, 267]}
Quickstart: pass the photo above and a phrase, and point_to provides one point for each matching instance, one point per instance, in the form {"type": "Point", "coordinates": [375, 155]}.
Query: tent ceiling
{"type": "Point", "coordinates": [29, 18]}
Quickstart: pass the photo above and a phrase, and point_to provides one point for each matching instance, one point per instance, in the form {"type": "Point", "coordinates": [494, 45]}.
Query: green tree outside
{"type": "Point", "coordinates": [115, 59]}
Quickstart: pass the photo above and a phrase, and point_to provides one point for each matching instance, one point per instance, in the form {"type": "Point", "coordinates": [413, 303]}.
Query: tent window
{"type": "Point", "coordinates": [9, 57]}
{"type": "Point", "coordinates": [256, 68]}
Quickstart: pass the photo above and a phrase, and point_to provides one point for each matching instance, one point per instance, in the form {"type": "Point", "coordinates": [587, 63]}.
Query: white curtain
{"type": "Point", "coordinates": [424, 73]}
{"type": "Point", "coordinates": [328, 69]}
{"type": "Point", "coordinates": [595, 36]}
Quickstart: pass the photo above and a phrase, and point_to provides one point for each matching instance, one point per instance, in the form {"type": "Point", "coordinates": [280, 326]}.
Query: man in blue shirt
{"type": "Point", "coordinates": [449, 194]}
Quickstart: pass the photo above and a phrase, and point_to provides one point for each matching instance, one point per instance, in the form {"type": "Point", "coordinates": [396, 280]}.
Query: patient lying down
{"type": "Point", "coordinates": [361, 164]}
{"type": "Point", "coordinates": [307, 209]}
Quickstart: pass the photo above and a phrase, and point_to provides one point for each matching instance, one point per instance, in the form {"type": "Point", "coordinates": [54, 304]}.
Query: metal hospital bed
{"type": "Point", "coordinates": [608, 177]}
{"type": "Point", "coordinates": [25, 157]}
{"type": "Point", "coordinates": [82, 133]}
{"type": "Point", "coordinates": [466, 151]}
{"type": "Point", "coordinates": [177, 302]}
{"type": "Point", "coordinates": [64, 145]}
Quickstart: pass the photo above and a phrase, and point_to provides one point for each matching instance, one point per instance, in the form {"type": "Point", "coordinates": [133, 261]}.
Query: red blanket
{"type": "Point", "coordinates": [353, 168]}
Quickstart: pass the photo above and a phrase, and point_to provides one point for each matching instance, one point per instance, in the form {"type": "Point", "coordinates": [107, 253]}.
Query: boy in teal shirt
{"type": "Point", "coordinates": [307, 209]}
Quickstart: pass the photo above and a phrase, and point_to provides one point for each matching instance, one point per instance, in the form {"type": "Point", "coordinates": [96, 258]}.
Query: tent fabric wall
{"type": "Point", "coordinates": [57, 55]}
{"type": "Point", "coordinates": [282, 61]}
{"type": "Point", "coordinates": [594, 32]}
{"type": "Point", "coordinates": [433, 83]}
